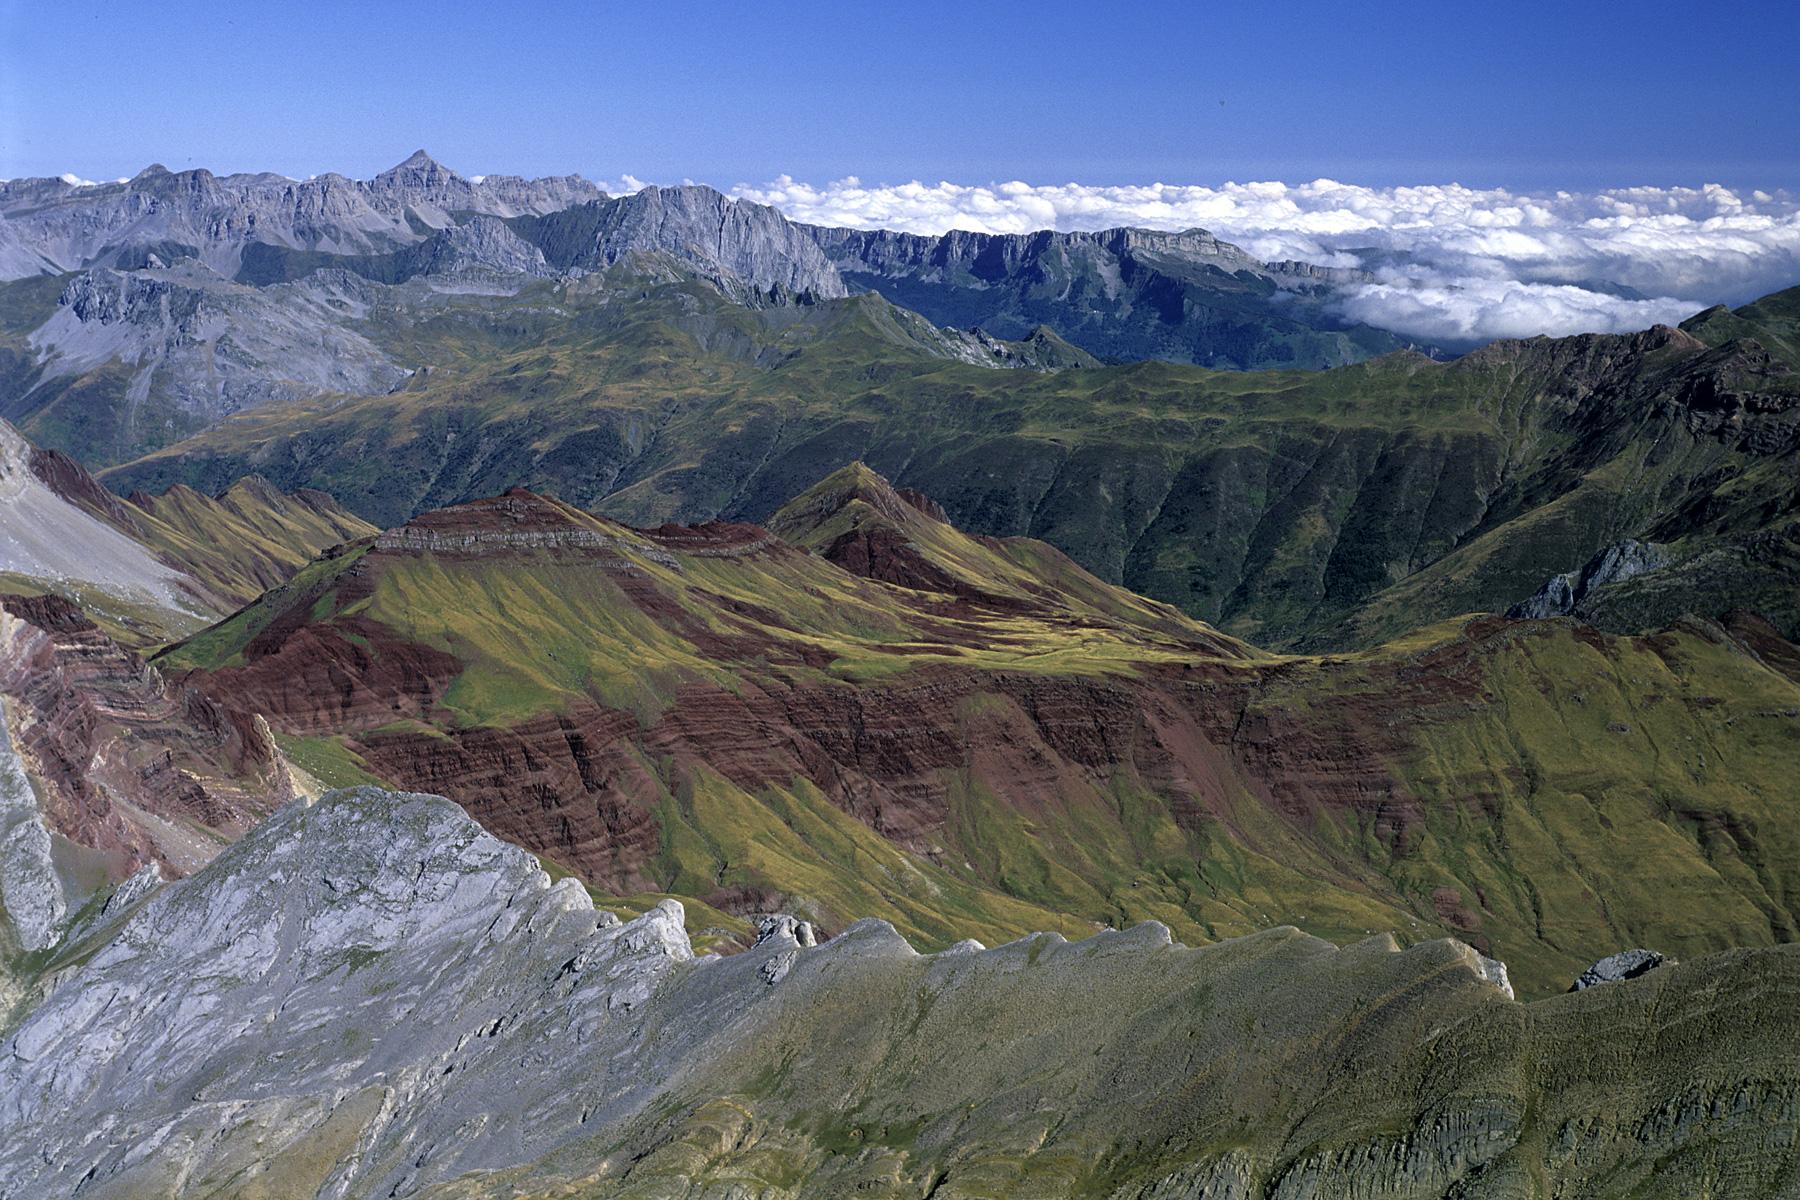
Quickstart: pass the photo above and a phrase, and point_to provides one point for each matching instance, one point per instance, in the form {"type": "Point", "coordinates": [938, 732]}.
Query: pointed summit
{"type": "Point", "coordinates": [857, 493]}
{"type": "Point", "coordinates": [419, 169]}
{"type": "Point", "coordinates": [857, 519]}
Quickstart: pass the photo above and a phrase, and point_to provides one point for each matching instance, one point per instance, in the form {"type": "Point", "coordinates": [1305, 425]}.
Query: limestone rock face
{"type": "Point", "coordinates": [52, 226]}
{"type": "Point", "coordinates": [206, 346]}
{"type": "Point", "coordinates": [372, 997]}
{"type": "Point", "coordinates": [31, 895]}
{"type": "Point", "coordinates": [1118, 293]}
{"type": "Point", "coordinates": [1564, 594]}
{"type": "Point", "coordinates": [478, 244]}
{"type": "Point", "coordinates": [734, 241]}
{"type": "Point", "coordinates": [1626, 964]}
{"type": "Point", "coordinates": [375, 953]}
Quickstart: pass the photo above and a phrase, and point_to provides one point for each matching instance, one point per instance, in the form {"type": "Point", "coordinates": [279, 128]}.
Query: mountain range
{"type": "Point", "coordinates": [184, 239]}
{"type": "Point", "coordinates": [515, 691]}
{"type": "Point", "coordinates": [1325, 509]}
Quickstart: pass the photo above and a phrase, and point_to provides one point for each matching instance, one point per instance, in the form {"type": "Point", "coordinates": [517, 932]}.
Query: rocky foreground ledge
{"type": "Point", "coordinates": [370, 996]}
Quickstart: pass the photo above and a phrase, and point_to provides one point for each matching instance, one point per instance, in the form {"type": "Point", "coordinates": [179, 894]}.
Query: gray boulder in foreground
{"type": "Point", "coordinates": [371, 996]}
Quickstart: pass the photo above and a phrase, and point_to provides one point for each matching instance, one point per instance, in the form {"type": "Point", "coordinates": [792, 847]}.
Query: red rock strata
{"type": "Point", "coordinates": [108, 740]}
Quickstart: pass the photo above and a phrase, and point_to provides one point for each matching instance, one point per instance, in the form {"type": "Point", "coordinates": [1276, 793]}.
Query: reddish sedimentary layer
{"type": "Point", "coordinates": [1225, 738]}
{"type": "Point", "coordinates": [106, 738]}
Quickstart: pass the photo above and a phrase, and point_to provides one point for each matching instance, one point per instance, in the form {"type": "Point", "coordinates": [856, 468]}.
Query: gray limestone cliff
{"type": "Point", "coordinates": [54, 226]}
{"type": "Point", "coordinates": [731, 241]}
{"type": "Point", "coordinates": [1117, 293]}
{"type": "Point", "coordinates": [1565, 594]}
{"type": "Point", "coordinates": [371, 996]}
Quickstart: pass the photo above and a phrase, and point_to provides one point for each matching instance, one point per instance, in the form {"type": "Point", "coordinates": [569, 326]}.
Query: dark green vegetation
{"type": "Point", "coordinates": [1302, 509]}
{"type": "Point", "coordinates": [972, 736]}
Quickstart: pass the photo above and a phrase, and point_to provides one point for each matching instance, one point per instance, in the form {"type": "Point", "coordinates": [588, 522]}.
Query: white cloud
{"type": "Point", "coordinates": [1490, 262]}
{"type": "Point", "coordinates": [74, 180]}
{"type": "Point", "coordinates": [1479, 310]}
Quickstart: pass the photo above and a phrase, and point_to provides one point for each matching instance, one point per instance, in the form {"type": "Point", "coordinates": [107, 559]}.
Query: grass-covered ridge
{"type": "Point", "coordinates": [875, 713]}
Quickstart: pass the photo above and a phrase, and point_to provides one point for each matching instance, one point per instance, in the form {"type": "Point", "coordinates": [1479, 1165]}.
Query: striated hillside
{"type": "Point", "coordinates": [863, 711]}
{"type": "Point", "coordinates": [486, 1034]}
{"type": "Point", "coordinates": [1313, 510]}
{"type": "Point", "coordinates": [149, 568]}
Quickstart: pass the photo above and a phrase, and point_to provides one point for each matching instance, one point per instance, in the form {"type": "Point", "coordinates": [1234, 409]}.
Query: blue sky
{"type": "Point", "coordinates": [1574, 95]}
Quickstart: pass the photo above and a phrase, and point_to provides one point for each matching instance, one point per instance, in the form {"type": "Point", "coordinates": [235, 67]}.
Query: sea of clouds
{"type": "Point", "coordinates": [1449, 263]}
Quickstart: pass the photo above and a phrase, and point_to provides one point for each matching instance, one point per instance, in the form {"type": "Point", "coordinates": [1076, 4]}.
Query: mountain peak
{"type": "Point", "coordinates": [419, 167]}
{"type": "Point", "coordinates": [811, 516]}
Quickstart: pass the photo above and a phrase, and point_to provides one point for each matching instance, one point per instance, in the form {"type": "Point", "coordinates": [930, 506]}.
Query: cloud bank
{"type": "Point", "coordinates": [1450, 263]}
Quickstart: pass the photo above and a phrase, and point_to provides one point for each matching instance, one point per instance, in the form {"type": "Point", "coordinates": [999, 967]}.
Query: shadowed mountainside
{"type": "Point", "coordinates": [1122, 294]}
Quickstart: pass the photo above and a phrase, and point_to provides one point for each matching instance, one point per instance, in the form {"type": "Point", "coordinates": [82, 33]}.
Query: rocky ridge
{"type": "Point", "coordinates": [732, 241]}
{"type": "Point", "coordinates": [48, 538]}
{"type": "Point", "coordinates": [197, 214]}
{"type": "Point", "coordinates": [257, 1029]}
{"type": "Point", "coordinates": [1564, 594]}
{"type": "Point", "coordinates": [148, 568]}
{"type": "Point", "coordinates": [1121, 294]}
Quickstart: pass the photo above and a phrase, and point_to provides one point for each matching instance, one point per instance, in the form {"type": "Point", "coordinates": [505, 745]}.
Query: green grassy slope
{"type": "Point", "coordinates": [974, 737]}
{"type": "Point", "coordinates": [1330, 508]}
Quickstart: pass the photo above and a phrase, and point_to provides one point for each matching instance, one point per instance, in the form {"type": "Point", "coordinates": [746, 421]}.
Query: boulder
{"type": "Point", "coordinates": [1626, 964]}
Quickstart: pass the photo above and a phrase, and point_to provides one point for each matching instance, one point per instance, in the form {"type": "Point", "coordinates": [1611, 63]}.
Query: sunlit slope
{"type": "Point", "coordinates": [245, 540]}
{"type": "Point", "coordinates": [405, 946]}
{"type": "Point", "coordinates": [877, 713]}
{"type": "Point", "coordinates": [151, 568]}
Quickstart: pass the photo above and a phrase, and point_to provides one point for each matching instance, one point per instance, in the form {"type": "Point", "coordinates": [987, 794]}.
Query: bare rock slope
{"type": "Point", "coordinates": [370, 996]}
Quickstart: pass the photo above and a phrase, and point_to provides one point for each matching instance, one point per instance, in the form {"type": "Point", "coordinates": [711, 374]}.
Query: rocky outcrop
{"type": "Point", "coordinates": [371, 996]}
{"type": "Point", "coordinates": [1116, 293]}
{"type": "Point", "coordinates": [1564, 594]}
{"type": "Point", "coordinates": [1626, 964]}
{"type": "Point", "coordinates": [31, 893]}
{"type": "Point", "coordinates": [735, 242]}
{"type": "Point", "coordinates": [517, 521]}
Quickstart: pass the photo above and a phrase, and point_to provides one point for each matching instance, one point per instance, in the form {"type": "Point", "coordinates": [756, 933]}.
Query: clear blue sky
{"type": "Point", "coordinates": [1527, 95]}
